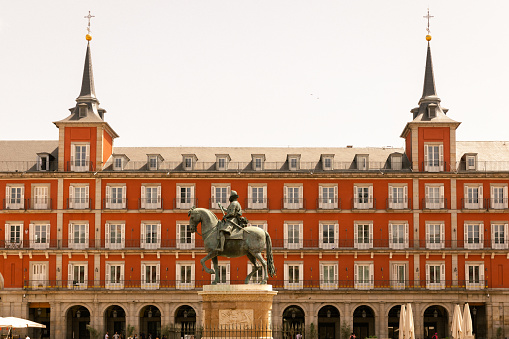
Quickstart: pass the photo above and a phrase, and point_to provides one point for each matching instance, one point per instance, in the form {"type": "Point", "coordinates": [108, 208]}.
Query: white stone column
{"type": "Point", "coordinates": [382, 321]}
{"type": "Point", "coordinates": [58, 324]}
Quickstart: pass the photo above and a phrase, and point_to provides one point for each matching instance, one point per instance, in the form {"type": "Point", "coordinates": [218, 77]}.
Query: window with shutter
{"type": "Point", "coordinates": [328, 276]}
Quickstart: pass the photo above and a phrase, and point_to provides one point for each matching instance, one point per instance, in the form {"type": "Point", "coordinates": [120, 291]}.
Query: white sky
{"type": "Point", "coordinates": [254, 72]}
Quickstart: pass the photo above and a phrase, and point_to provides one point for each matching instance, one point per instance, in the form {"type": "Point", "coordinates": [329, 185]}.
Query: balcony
{"type": "Point", "coordinates": [497, 204]}
{"type": "Point", "coordinates": [363, 203]}
{"type": "Point", "coordinates": [398, 204]}
{"type": "Point", "coordinates": [40, 204]}
{"type": "Point", "coordinates": [184, 204]}
{"type": "Point", "coordinates": [115, 203]}
{"type": "Point", "coordinates": [79, 203]}
{"type": "Point", "coordinates": [435, 204]}
{"type": "Point", "coordinates": [474, 204]}
{"type": "Point", "coordinates": [27, 166]}
{"type": "Point", "coordinates": [256, 203]}
{"type": "Point", "coordinates": [15, 204]}
{"type": "Point", "coordinates": [150, 203]}
{"type": "Point", "coordinates": [293, 204]}
{"type": "Point", "coordinates": [325, 204]}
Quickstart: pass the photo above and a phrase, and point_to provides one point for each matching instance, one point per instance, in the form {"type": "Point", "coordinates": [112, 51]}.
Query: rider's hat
{"type": "Point", "coordinates": [233, 194]}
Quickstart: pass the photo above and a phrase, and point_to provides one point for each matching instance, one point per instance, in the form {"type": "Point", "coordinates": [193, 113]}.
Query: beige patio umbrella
{"type": "Point", "coordinates": [409, 323]}
{"type": "Point", "coordinates": [467, 323]}
{"type": "Point", "coordinates": [402, 319]}
{"type": "Point", "coordinates": [456, 326]}
{"type": "Point", "coordinates": [19, 323]}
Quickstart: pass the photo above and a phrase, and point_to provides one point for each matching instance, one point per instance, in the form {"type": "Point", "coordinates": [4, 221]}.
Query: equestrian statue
{"type": "Point", "coordinates": [232, 238]}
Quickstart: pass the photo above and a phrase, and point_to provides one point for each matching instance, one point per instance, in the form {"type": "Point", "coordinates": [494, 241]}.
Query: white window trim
{"type": "Point", "coordinates": [149, 162]}
{"type": "Point", "coordinates": [14, 206]}
{"type": "Point", "coordinates": [328, 285]}
{"type": "Point", "coordinates": [296, 285]}
{"type": "Point", "coordinates": [440, 167]}
{"type": "Point", "coordinates": [333, 245]}
{"type": "Point", "coordinates": [70, 239]}
{"type": "Point", "coordinates": [395, 284]}
{"type": "Point", "coordinates": [185, 205]}
{"type": "Point", "coordinates": [441, 284]}
{"type": "Point", "coordinates": [467, 165]}
{"type": "Point", "coordinates": [70, 276]}
{"type": "Point", "coordinates": [74, 167]}
{"type": "Point", "coordinates": [107, 237]}
{"type": "Point", "coordinates": [31, 235]}
{"type": "Point", "coordinates": [79, 205]}
{"type": "Point", "coordinates": [180, 285]}
{"type": "Point", "coordinates": [257, 205]}
{"type": "Point", "coordinates": [327, 168]}
{"type": "Point", "coordinates": [214, 200]}
{"type": "Point", "coordinates": [430, 245]}
{"type": "Point", "coordinates": [475, 286]}
{"type": "Point", "coordinates": [39, 283]}
{"type": "Point", "coordinates": [150, 285]}
{"type": "Point", "coordinates": [117, 205]}
{"type": "Point", "coordinates": [115, 286]}
{"type": "Point", "coordinates": [117, 168]}
{"type": "Point", "coordinates": [506, 229]}
{"type": "Point", "coordinates": [39, 162]}
{"type": "Point", "coordinates": [364, 285]}
{"type": "Point", "coordinates": [396, 165]}
{"type": "Point", "coordinates": [358, 245]}
{"type": "Point", "coordinates": [405, 238]}
{"type": "Point", "coordinates": [38, 202]}
{"type": "Point", "coordinates": [143, 243]}
{"type": "Point", "coordinates": [362, 161]}
{"type": "Point", "coordinates": [434, 205]}
{"type": "Point", "coordinates": [473, 246]}
{"type": "Point", "coordinates": [403, 204]}
{"type": "Point", "coordinates": [473, 205]}
{"type": "Point", "coordinates": [504, 204]}
{"type": "Point", "coordinates": [184, 245]}
{"type": "Point", "coordinates": [294, 245]}
{"type": "Point", "coordinates": [254, 159]}
{"type": "Point", "coordinates": [228, 276]}
{"type": "Point", "coordinates": [297, 163]}
{"type": "Point", "coordinates": [7, 228]}
{"type": "Point", "coordinates": [144, 204]}
{"type": "Point", "coordinates": [300, 203]}
{"type": "Point", "coordinates": [363, 205]}
{"type": "Point", "coordinates": [327, 204]}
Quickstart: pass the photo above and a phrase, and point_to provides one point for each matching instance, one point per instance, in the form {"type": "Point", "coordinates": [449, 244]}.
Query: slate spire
{"type": "Point", "coordinates": [429, 79]}
{"type": "Point", "coordinates": [87, 83]}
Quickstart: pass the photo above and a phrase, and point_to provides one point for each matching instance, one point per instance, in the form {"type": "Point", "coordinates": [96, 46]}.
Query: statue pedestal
{"type": "Point", "coordinates": [237, 310]}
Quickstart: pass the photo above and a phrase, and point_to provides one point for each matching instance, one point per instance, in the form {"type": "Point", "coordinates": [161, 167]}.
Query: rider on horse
{"type": "Point", "coordinates": [232, 218]}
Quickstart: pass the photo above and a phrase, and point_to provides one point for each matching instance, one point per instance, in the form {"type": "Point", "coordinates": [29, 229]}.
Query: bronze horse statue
{"type": "Point", "coordinates": [253, 242]}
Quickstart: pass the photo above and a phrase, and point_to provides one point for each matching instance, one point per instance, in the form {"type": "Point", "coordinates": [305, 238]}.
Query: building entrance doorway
{"type": "Point", "coordinates": [328, 323]}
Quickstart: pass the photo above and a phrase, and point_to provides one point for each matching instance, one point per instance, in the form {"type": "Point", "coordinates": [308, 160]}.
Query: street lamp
{"type": "Point", "coordinates": [78, 314]}
{"type": "Point", "coordinates": [435, 313]}
{"type": "Point", "coordinates": [363, 313]}
{"type": "Point", "coordinates": [185, 314]}
{"type": "Point", "coordinates": [293, 314]}
{"type": "Point", "coordinates": [39, 311]}
{"type": "Point", "coordinates": [149, 313]}
{"type": "Point", "coordinates": [114, 313]}
{"type": "Point", "coordinates": [328, 313]}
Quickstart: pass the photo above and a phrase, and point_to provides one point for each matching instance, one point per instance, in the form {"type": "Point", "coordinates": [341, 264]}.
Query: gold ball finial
{"type": "Point", "coordinates": [428, 37]}
{"type": "Point", "coordinates": [88, 37]}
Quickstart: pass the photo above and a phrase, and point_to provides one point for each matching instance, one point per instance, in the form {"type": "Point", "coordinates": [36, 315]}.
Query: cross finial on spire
{"type": "Point", "coordinates": [426, 17]}
{"type": "Point", "coordinates": [89, 16]}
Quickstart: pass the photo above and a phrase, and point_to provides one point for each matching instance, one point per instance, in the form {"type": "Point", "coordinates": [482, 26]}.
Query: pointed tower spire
{"type": "Point", "coordinates": [429, 79]}
{"type": "Point", "coordinates": [87, 84]}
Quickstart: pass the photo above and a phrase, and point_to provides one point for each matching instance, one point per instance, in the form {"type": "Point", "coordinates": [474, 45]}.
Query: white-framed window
{"type": "Point", "coordinates": [398, 275]}
{"type": "Point", "coordinates": [150, 197]}
{"type": "Point", "coordinates": [257, 162]}
{"type": "Point", "coordinates": [43, 162]}
{"type": "Point", "coordinates": [116, 197]}
{"type": "Point", "coordinates": [188, 163]}
{"type": "Point", "coordinates": [498, 197]}
{"type": "Point", "coordinates": [363, 197]}
{"type": "Point", "coordinates": [293, 196]}
{"type": "Point", "coordinates": [398, 235]}
{"type": "Point", "coordinates": [293, 163]}
{"type": "Point", "coordinates": [219, 193]}
{"type": "Point", "coordinates": [185, 275]}
{"type": "Point", "coordinates": [114, 275]}
{"type": "Point", "coordinates": [153, 162]}
{"type": "Point", "coordinates": [327, 162]}
{"type": "Point", "coordinates": [185, 238]}
{"type": "Point", "coordinates": [38, 275]}
{"type": "Point", "coordinates": [39, 235]}
{"type": "Point", "coordinates": [259, 223]}
{"type": "Point", "coordinates": [293, 235]}
{"type": "Point", "coordinates": [150, 275]}
{"type": "Point", "coordinates": [362, 162]}
{"type": "Point", "coordinates": [79, 197]}
{"type": "Point", "coordinates": [118, 163]}
{"type": "Point", "coordinates": [473, 196]}
{"type": "Point", "coordinates": [77, 275]}
{"type": "Point", "coordinates": [222, 163]}
{"type": "Point", "coordinates": [328, 275]}
{"type": "Point", "coordinates": [294, 275]}
{"type": "Point", "coordinates": [499, 235]}
{"type": "Point", "coordinates": [474, 276]}
{"type": "Point", "coordinates": [15, 197]}
{"type": "Point", "coordinates": [258, 276]}
{"type": "Point", "coordinates": [257, 196]}
{"type": "Point", "coordinates": [363, 235]}
{"type": "Point", "coordinates": [328, 196]}
{"type": "Point", "coordinates": [80, 157]}
{"type": "Point", "coordinates": [396, 161]}
{"type": "Point", "coordinates": [470, 162]}
{"type": "Point", "coordinates": [435, 235]}
{"type": "Point", "coordinates": [434, 196]}
{"type": "Point", "coordinates": [78, 234]}
{"type": "Point", "coordinates": [434, 157]}
{"type": "Point", "coordinates": [364, 276]}
{"type": "Point", "coordinates": [185, 196]}
{"type": "Point", "coordinates": [435, 276]}
{"type": "Point", "coordinates": [14, 235]}
{"type": "Point", "coordinates": [224, 274]}
{"type": "Point", "coordinates": [398, 196]}
{"type": "Point", "coordinates": [40, 197]}
{"type": "Point", "coordinates": [474, 235]}
{"type": "Point", "coordinates": [150, 235]}
{"type": "Point", "coordinates": [114, 234]}
{"type": "Point", "coordinates": [329, 234]}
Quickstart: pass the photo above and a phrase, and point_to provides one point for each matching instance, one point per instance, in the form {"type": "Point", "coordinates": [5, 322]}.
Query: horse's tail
{"type": "Point", "coordinates": [270, 258]}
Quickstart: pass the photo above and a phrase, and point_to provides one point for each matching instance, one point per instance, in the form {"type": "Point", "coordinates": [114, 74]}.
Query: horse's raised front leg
{"type": "Point", "coordinates": [216, 270]}
{"type": "Point", "coordinates": [258, 255]}
{"type": "Point", "coordinates": [210, 255]}
{"type": "Point", "coordinates": [256, 268]}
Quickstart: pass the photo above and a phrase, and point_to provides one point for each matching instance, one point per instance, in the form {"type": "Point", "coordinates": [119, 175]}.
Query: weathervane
{"type": "Point", "coordinates": [89, 16]}
{"type": "Point", "coordinates": [428, 37]}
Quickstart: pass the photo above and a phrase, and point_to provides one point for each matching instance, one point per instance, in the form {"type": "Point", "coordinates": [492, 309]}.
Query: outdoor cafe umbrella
{"type": "Point", "coordinates": [409, 323]}
{"type": "Point", "coordinates": [19, 323]}
{"type": "Point", "coordinates": [402, 318]}
{"type": "Point", "coordinates": [467, 322]}
{"type": "Point", "coordinates": [457, 327]}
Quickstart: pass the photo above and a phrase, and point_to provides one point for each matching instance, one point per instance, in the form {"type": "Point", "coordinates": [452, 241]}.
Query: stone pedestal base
{"type": "Point", "coordinates": [237, 307]}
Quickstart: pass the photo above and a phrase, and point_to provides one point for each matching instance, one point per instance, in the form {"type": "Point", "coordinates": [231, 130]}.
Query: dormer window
{"type": "Point", "coordinates": [396, 161]}
{"type": "Point", "coordinates": [82, 110]}
{"type": "Point", "coordinates": [119, 162]}
{"type": "Point", "coordinates": [432, 110]}
{"type": "Point", "coordinates": [154, 161]}
{"type": "Point", "coordinates": [43, 161]}
{"type": "Point", "coordinates": [118, 165]}
{"type": "Point", "coordinates": [327, 164]}
{"type": "Point", "coordinates": [222, 161]}
{"type": "Point", "coordinates": [188, 161]}
{"type": "Point", "coordinates": [471, 162]}
{"type": "Point", "coordinates": [294, 162]}
{"type": "Point", "coordinates": [258, 160]}
{"type": "Point", "coordinates": [362, 162]}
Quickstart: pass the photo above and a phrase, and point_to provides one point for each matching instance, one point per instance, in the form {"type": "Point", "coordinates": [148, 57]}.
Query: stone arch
{"type": "Point", "coordinates": [104, 306]}
{"type": "Point", "coordinates": [141, 306]}
{"type": "Point", "coordinates": [150, 319]}
{"type": "Point", "coordinates": [115, 317]}
{"type": "Point", "coordinates": [364, 320]}
{"type": "Point", "coordinates": [435, 319]}
{"type": "Point", "coordinates": [329, 322]}
{"type": "Point", "coordinates": [77, 316]}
